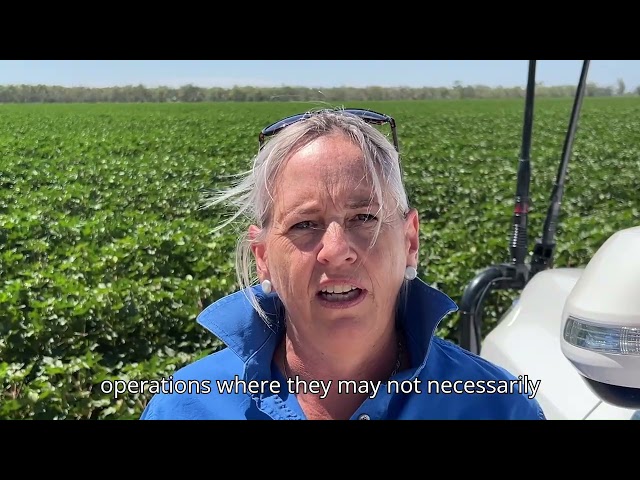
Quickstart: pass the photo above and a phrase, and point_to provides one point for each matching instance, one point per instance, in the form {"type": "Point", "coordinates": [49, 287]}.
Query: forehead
{"type": "Point", "coordinates": [328, 168]}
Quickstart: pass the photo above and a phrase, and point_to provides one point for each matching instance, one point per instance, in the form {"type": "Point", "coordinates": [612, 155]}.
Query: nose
{"type": "Point", "coordinates": [336, 247]}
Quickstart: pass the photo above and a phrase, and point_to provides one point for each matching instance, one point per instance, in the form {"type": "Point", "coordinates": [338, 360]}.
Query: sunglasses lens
{"type": "Point", "coordinates": [276, 127]}
{"type": "Point", "coordinates": [367, 115]}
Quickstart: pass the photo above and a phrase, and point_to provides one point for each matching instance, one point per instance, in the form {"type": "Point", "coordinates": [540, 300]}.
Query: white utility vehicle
{"type": "Point", "coordinates": [576, 330]}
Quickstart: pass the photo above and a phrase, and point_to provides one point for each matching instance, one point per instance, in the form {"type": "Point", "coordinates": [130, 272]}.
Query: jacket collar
{"type": "Point", "coordinates": [234, 321]}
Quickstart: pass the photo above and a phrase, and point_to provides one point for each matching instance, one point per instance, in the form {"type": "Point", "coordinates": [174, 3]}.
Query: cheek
{"type": "Point", "coordinates": [280, 248]}
{"type": "Point", "coordinates": [387, 259]}
{"type": "Point", "coordinates": [305, 241]}
{"type": "Point", "coordinates": [285, 260]}
{"type": "Point", "coordinates": [361, 238]}
{"type": "Point", "coordinates": [385, 264]}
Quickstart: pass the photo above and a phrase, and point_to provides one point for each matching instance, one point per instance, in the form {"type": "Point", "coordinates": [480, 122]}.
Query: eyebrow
{"type": "Point", "coordinates": [312, 209]}
{"type": "Point", "coordinates": [355, 204]}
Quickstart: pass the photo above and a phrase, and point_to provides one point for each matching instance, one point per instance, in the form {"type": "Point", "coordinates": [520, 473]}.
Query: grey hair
{"type": "Point", "coordinates": [252, 197]}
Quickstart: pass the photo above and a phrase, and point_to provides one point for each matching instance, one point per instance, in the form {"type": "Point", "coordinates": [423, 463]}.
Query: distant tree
{"type": "Point", "coordinates": [336, 95]}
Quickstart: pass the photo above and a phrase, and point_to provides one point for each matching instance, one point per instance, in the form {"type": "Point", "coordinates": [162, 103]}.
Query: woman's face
{"type": "Point", "coordinates": [316, 249]}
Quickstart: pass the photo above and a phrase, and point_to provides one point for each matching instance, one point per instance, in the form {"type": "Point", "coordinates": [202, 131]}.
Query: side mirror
{"type": "Point", "coordinates": [600, 332]}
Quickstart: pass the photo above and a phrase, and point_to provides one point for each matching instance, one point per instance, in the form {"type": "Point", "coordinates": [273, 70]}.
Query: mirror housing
{"type": "Point", "coordinates": [600, 332]}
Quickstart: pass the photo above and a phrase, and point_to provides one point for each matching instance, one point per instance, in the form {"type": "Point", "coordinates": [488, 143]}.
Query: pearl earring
{"type": "Point", "coordinates": [410, 273]}
{"type": "Point", "coordinates": [266, 286]}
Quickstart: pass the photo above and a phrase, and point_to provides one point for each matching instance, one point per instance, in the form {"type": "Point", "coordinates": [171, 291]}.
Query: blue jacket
{"type": "Point", "coordinates": [453, 383]}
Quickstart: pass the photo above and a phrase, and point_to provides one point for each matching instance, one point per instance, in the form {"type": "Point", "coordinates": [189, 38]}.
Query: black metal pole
{"type": "Point", "coordinates": [519, 240]}
{"type": "Point", "coordinates": [514, 275]}
{"type": "Point", "coordinates": [544, 249]}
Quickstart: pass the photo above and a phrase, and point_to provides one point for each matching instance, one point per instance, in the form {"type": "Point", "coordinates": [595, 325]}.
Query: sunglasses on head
{"type": "Point", "coordinates": [368, 116]}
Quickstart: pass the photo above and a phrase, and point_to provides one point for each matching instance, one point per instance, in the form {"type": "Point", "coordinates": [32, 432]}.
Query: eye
{"type": "Point", "coordinates": [365, 217]}
{"type": "Point", "coordinates": [306, 225]}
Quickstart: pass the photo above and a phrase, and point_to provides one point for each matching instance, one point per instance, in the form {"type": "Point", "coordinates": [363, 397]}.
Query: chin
{"type": "Point", "coordinates": [352, 317]}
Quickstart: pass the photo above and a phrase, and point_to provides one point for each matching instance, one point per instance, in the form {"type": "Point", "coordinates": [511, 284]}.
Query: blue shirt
{"type": "Point", "coordinates": [453, 382]}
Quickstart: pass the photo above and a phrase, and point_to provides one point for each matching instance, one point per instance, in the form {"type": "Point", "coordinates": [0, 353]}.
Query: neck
{"type": "Point", "coordinates": [366, 363]}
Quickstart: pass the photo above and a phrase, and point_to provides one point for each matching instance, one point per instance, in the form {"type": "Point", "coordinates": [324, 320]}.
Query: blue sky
{"type": "Point", "coordinates": [311, 73]}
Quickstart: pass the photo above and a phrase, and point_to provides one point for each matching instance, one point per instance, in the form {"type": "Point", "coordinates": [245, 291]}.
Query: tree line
{"type": "Point", "coordinates": [192, 93]}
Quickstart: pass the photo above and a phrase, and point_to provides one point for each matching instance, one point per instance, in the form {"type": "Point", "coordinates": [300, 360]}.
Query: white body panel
{"type": "Point", "coordinates": [604, 301]}
{"type": "Point", "coordinates": [527, 342]}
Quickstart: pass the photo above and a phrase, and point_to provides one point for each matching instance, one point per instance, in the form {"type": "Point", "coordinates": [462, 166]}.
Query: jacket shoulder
{"type": "Point", "coordinates": [507, 395]}
{"type": "Point", "coordinates": [471, 363]}
{"type": "Point", "coordinates": [193, 393]}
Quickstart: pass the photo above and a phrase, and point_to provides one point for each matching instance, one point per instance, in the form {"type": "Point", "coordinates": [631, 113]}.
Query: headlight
{"type": "Point", "coordinates": [618, 340]}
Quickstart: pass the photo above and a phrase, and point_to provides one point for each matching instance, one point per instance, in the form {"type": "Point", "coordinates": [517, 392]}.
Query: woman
{"type": "Point", "coordinates": [339, 327]}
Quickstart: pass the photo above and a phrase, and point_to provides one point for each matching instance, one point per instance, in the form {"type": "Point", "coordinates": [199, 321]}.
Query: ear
{"type": "Point", "coordinates": [259, 252]}
{"type": "Point", "coordinates": [412, 237]}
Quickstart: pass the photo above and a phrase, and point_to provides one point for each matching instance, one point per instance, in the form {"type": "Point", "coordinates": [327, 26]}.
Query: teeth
{"type": "Point", "coordinates": [343, 288]}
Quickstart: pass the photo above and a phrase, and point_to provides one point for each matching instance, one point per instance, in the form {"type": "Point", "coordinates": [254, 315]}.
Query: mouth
{"type": "Point", "coordinates": [341, 296]}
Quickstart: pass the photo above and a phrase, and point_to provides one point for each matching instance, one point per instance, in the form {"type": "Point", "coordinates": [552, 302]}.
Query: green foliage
{"type": "Point", "coordinates": [106, 258]}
